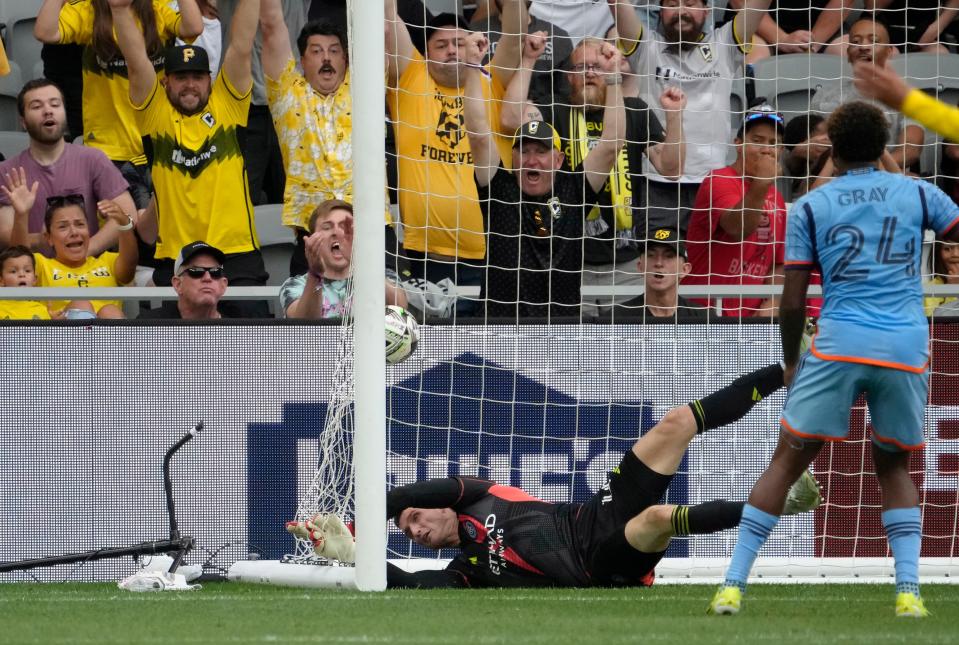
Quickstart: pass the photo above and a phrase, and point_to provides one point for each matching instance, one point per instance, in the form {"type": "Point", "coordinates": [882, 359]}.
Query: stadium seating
{"type": "Point", "coordinates": [934, 73]}
{"type": "Point", "coordinates": [13, 143]}
{"type": "Point", "coordinates": [19, 17]}
{"type": "Point", "coordinates": [738, 101]}
{"type": "Point", "coordinates": [790, 80]}
{"type": "Point", "coordinates": [9, 88]}
{"type": "Point", "coordinates": [276, 242]}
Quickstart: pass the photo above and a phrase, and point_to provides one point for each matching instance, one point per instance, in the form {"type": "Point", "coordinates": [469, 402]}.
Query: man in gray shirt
{"type": "Point", "coordinates": [261, 150]}
{"type": "Point", "coordinates": [704, 67]}
{"type": "Point", "coordinates": [869, 43]}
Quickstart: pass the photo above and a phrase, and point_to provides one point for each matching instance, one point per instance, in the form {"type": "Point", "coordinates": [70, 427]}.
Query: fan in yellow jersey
{"type": "Point", "coordinates": [68, 234]}
{"type": "Point", "coordinates": [108, 122]}
{"type": "Point", "coordinates": [18, 269]}
{"type": "Point", "coordinates": [443, 228]}
{"type": "Point", "coordinates": [198, 172]}
{"type": "Point", "coordinates": [884, 84]}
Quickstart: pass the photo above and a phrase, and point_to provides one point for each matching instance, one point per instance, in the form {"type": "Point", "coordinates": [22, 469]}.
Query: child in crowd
{"type": "Point", "coordinates": [944, 269]}
{"type": "Point", "coordinates": [18, 269]}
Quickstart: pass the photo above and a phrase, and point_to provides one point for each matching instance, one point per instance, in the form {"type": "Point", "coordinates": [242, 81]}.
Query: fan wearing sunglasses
{"type": "Point", "coordinates": [199, 281]}
{"type": "Point", "coordinates": [67, 232]}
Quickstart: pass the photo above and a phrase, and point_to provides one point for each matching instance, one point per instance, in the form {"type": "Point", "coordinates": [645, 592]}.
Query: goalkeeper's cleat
{"type": "Point", "coordinates": [330, 537]}
{"type": "Point", "coordinates": [726, 602]}
{"type": "Point", "coordinates": [910, 605]}
{"type": "Point", "coordinates": [804, 495]}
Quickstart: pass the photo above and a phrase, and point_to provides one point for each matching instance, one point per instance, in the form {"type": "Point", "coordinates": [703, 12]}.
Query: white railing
{"type": "Point", "coordinates": [261, 293]}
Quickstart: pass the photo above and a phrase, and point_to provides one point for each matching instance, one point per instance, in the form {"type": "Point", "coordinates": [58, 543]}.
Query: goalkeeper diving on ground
{"type": "Point", "coordinates": [508, 538]}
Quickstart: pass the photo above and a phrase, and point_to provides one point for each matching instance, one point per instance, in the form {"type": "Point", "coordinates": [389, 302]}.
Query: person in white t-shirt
{"type": "Point", "coordinates": [212, 38]}
{"type": "Point", "coordinates": [579, 18]}
{"type": "Point", "coordinates": [703, 66]}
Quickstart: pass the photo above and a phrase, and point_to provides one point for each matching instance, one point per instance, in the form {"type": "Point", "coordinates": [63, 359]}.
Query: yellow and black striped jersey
{"type": "Point", "coordinates": [198, 171]}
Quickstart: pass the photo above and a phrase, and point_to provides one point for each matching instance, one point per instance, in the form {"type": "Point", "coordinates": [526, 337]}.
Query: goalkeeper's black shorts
{"type": "Point", "coordinates": [600, 525]}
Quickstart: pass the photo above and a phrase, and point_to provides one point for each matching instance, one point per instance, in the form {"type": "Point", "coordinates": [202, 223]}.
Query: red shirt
{"type": "Point", "coordinates": [719, 258]}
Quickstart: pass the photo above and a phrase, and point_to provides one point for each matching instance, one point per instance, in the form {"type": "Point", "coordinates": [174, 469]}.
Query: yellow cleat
{"type": "Point", "coordinates": [726, 602]}
{"type": "Point", "coordinates": [909, 605]}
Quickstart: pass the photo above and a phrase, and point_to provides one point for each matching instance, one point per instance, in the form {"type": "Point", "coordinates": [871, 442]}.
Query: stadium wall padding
{"type": "Point", "coordinates": [89, 411]}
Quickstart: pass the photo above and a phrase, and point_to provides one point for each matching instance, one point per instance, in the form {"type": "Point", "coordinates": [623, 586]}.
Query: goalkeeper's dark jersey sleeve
{"type": "Point", "coordinates": [430, 493]}
{"type": "Point", "coordinates": [507, 537]}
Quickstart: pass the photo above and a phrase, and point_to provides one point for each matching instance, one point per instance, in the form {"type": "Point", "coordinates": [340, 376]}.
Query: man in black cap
{"type": "Point", "coordinates": [662, 263]}
{"type": "Point", "coordinates": [199, 281]}
{"type": "Point", "coordinates": [534, 214]}
{"type": "Point", "coordinates": [198, 171]}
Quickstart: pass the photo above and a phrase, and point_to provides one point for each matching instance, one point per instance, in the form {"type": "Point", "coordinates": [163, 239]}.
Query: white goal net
{"type": "Point", "coordinates": [550, 405]}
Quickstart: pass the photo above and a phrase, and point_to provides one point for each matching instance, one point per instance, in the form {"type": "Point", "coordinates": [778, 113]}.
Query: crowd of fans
{"type": "Point", "coordinates": [539, 151]}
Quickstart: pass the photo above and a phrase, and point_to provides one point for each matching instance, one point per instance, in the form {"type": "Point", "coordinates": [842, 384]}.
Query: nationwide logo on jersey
{"type": "Point", "coordinates": [665, 73]}
{"type": "Point", "coordinates": [221, 145]}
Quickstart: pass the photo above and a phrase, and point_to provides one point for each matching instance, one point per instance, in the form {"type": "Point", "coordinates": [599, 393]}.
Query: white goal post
{"type": "Point", "coordinates": [368, 69]}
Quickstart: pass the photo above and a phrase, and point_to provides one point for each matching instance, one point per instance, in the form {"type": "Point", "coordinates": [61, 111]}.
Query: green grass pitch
{"type": "Point", "coordinates": [235, 613]}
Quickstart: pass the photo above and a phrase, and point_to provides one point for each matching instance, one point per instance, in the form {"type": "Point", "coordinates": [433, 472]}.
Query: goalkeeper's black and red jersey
{"type": "Point", "coordinates": [507, 537]}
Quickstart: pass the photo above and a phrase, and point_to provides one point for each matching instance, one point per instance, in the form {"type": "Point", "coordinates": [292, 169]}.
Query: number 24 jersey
{"type": "Point", "coordinates": [864, 231]}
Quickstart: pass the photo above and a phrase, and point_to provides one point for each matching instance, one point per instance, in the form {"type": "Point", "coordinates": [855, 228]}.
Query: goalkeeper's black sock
{"type": "Point", "coordinates": [736, 399]}
{"type": "Point", "coordinates": [707, 517]}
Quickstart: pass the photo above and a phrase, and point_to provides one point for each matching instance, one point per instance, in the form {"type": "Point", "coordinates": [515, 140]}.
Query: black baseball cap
{"type": "Point", "coordinates": [186, 58]}
{"type": "Point", "coordinates": [445, 21]}
{"type": "Point", "coordinates": [539, 131]}
{"type": "Point", "coordinates": [666, 237]}
{"type": "Point", "coordinates": [193, 249]}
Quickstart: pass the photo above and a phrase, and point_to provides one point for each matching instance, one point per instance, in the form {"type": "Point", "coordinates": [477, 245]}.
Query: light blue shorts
{"type": "Point", "coordinates": [818, 402]}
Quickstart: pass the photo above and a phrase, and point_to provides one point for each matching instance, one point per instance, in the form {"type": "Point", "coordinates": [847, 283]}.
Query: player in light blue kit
{"type": "Point", "coordinates": [863, 231]}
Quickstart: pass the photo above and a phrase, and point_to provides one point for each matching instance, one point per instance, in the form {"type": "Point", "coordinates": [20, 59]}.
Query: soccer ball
{"type": "Point", "coordinates": [402, 334]}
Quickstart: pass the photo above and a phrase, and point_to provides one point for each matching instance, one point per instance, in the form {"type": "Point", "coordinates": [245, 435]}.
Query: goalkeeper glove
{"type": "Point", "coordinates": [329, 535]}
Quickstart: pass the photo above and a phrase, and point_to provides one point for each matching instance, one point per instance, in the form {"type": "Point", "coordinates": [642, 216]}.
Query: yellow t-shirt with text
{"type": "Point", "coordinates": [95, 272]}
{"type": "Point", "coordinates": [198, 172]}
{"type": "Point", "coordinates": [437, 192]}
{"type": "Point", "coordinates": [108, 121]}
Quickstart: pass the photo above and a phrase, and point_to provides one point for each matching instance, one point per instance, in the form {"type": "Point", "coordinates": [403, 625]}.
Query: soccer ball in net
{"type": "Point", "coordinates": [402, 334]}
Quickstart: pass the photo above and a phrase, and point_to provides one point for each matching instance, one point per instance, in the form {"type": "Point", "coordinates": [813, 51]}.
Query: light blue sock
{"type": "Point", "coordinates": [754, 530]}
{"type": "Point", "coordinates": [904, 531]}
